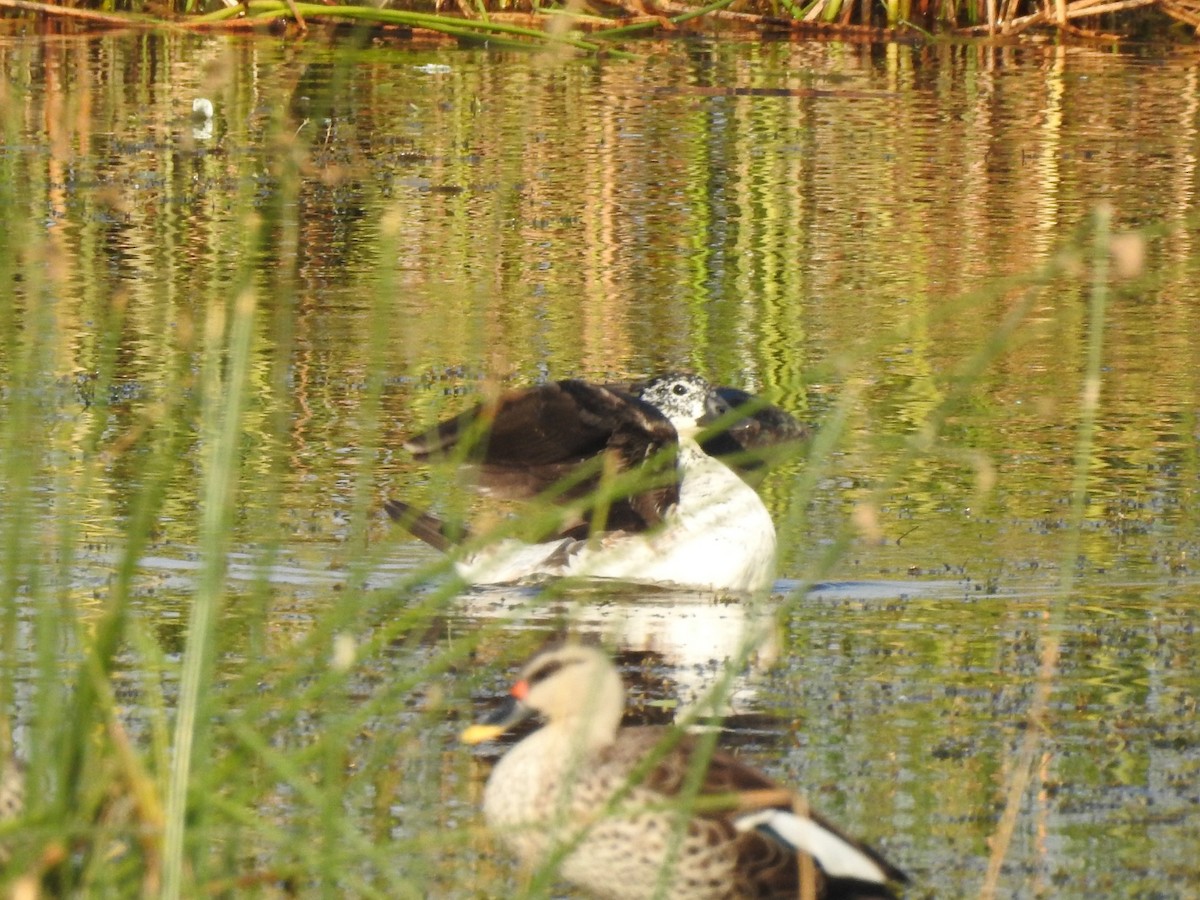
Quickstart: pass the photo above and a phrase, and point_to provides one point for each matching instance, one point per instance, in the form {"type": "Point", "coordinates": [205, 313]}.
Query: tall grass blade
{"type": "Point", "coordinates": [224, 381]}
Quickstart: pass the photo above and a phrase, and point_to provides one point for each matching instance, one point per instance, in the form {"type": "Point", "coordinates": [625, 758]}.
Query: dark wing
{"type": "Point", "coordinates": [762, 433]}
{"type": "Point", "coordinates": [759, 435]}
{"type": "Point", "coordinates": [766, 867]}
{"type": "Point", "coordinates": [436, 532]}
{"type": "Point", "coordinates": [528, 441]}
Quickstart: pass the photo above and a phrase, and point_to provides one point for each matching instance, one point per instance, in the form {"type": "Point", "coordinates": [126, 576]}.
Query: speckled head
{"type": "Point", "coordinates": [681, 397]}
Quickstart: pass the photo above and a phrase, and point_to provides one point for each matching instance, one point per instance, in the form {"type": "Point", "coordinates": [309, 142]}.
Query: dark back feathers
{"type": "Point", "coordinates": [762, 432]}
{"type": "Point", "coordinates": [529, 441]}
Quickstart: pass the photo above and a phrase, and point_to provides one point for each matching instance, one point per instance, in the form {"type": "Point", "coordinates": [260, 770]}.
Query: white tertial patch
{"type": "Point", "coordinates": [835, 856]}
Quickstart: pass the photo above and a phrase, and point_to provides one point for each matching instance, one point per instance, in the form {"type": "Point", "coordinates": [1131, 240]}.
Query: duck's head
{"type": "Point", "coordinates": [574, 687]}
{"type": "Point", "coordinates": [687, 400]}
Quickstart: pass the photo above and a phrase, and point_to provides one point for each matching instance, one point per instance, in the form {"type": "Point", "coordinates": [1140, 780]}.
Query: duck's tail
{"type": "Point", "coordinates": [852, 870]}
{"type": "Point", "coordinates": [437, 533]}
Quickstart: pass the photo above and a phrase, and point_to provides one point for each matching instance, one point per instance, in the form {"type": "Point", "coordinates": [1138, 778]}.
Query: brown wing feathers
{"type": "Point", "coordinates": [437, 533]}
{"type": "Point", "coordinates": [767, 868]}
{"type": "Point", "coordinates": [764, 432]}
{"type": "Point", "coordinates": [532, 427]}
{"type": "Point", "coordinates": [529, 441]}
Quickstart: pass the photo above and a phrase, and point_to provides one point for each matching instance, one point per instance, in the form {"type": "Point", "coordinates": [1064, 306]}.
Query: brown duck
{"type": "Point", "coordinates": [604, 802]}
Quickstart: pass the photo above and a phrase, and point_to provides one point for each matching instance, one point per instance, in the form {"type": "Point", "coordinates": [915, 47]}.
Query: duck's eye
{"type": "Point", "coordinates": [679, 390]}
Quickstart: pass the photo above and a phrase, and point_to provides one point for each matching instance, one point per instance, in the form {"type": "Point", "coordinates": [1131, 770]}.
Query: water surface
{"type": "Point", "coordinates": [418, 222]}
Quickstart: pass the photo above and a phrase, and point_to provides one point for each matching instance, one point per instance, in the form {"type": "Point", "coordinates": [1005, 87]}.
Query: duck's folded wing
{"type": "Point", "coordinates": [761, 433]}
{"type": "Point", "coordinates": [773, 830]}
{"type": "Point", "coordinates": [748, 432]}
{"type": "Point", "coordinates": [780, 819]}
{"type": "Point", "coordinates": [527, 441]}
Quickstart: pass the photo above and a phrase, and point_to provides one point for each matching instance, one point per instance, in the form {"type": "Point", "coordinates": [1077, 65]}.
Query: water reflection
{"type": "Point", "coordinates": [695, 635]}
{"type": "Point", "coordinates": [414, 220]}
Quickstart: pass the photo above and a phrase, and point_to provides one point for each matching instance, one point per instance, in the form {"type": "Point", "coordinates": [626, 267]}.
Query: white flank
{"type": "Point", "coordinates": [718, 537]}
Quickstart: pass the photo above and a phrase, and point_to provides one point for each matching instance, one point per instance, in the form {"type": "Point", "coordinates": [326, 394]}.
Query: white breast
{"type": "Point", "coordinates": [719, 536]}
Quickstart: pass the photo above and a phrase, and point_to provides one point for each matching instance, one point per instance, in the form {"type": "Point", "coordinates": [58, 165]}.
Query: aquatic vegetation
{"type": "Point", "coordinates": [503, 25]}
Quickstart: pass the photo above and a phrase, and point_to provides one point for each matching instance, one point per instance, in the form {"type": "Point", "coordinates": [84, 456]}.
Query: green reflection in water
{"type": "Point", "coordinates": [843, 249]}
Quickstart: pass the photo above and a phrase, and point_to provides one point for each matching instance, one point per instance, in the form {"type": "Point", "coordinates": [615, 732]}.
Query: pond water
{"type": "Point", "coordinates": [898, 244]}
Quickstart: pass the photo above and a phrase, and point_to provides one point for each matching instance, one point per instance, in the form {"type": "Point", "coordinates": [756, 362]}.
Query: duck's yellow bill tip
{"type": "Point", "coordinates": [477, 734]}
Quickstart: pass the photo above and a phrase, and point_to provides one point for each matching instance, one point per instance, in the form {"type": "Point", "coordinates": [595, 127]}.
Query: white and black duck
{"type": "Point", "coordinates": [679, 517]}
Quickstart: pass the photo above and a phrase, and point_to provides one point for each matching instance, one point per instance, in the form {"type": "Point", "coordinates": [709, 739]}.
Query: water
{"type": "Point", "coordinates": [433, 219]}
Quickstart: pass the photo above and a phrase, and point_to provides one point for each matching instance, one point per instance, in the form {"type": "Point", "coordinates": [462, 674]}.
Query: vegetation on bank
{"type": "Point", "coordinates": [506, 23]}
{"type": "Point", "coordinates": [234, 741]}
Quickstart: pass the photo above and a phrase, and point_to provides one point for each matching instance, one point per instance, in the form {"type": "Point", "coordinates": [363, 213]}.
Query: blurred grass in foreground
{"type": "Point", "coordinates": [230, 762]}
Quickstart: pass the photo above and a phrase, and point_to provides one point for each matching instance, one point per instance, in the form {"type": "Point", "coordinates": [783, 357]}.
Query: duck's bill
{"type": "Point", "coordinates": [502, 718]}
{"type": "Point", "coordinates": [478, 734]}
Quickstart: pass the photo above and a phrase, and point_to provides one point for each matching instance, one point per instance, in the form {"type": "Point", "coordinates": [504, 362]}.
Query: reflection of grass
{"type": "Point", "coordinates": [254, 760]}
{"type": "Point", "coordinates": [190, 771]}
{"type": "Point", "coordinates": [836, 18]}
{"type": "Point", "coordinates": [1022, 773]}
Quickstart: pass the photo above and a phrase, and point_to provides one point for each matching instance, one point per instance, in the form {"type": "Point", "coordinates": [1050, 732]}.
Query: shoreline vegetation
{"type": "Point", "coordinates": [593, 26]}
